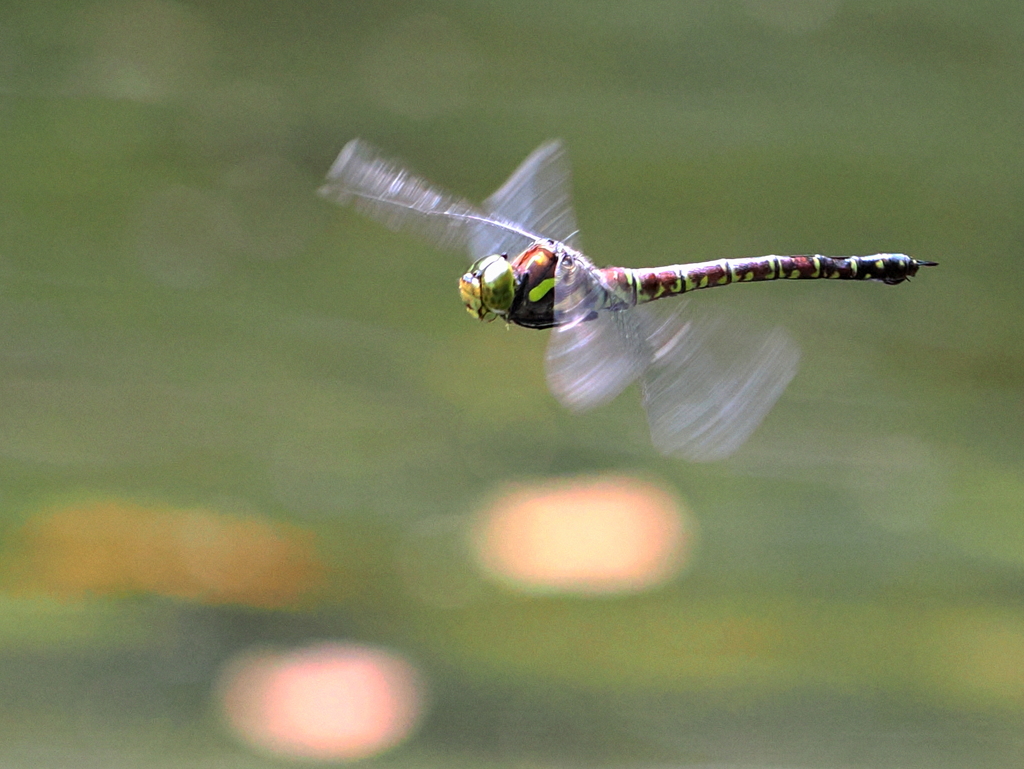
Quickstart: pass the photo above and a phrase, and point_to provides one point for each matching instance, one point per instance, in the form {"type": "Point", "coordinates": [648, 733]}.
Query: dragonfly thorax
{"type": "Point", "coordinates": [488, 288]}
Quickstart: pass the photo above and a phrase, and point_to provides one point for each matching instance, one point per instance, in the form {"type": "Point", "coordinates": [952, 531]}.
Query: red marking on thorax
{"type": "Point", "coordinates": [535, 258]}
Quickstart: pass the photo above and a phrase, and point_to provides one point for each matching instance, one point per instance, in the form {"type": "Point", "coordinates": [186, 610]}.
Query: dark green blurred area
{"type": "Point", "coordinates": [184, 322]}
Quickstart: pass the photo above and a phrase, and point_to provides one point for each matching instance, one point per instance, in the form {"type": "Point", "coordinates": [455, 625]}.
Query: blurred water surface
{"type": "Point", "coordinates": [268, 493]}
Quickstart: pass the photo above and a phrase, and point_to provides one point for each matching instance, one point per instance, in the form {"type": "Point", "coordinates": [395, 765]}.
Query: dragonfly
{"type": "Point", "coordinates": [706, 380]}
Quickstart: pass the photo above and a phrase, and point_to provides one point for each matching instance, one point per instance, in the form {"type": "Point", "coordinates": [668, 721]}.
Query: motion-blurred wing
{"type": "Point", "coordinates": [711, 381]}
{"type": "Point", "coordinates": [537, 197]}
{"type": "Point", "coordinates": [589, 363]}
{"type": "Point", "coordinates": [383, 190]}
{"type": "Point", "coordinates": [592, 355]}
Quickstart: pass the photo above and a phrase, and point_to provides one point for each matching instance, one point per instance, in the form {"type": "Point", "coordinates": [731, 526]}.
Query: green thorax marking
{"type": "Point", "coordinates": [538, 292]}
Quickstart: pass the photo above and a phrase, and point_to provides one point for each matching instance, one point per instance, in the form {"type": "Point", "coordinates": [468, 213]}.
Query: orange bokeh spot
{"type": "Point", "coordinates": [591, 535]}
{"type": "Point", "coordinates": [328, 702]}
{"type": "Point", "coordinates": [119, 547]}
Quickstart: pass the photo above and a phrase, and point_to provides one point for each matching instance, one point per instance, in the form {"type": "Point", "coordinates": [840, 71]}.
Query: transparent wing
{"type": "Point", "coordinates": [707, 381]}
{"type": "Point", "coordinates": [592, 355]}
{"type": "Point", "coordinates": [589, 363]}
{"type": "Point", "coordinates": [710, 381]}
{"type": "Point", "coordinates": [385, 191]}
{"type": "Point", "coordinates": [537, 197]}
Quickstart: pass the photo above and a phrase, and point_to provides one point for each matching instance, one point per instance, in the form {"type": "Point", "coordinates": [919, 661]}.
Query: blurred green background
{"type": "Point", "coordinates": [236, 417]}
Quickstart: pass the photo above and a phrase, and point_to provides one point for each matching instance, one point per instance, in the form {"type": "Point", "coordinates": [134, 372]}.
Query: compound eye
{"type": "Point", "coordinates": [488, 288]}
{"type": "Point", "coordinates": [497, 283]}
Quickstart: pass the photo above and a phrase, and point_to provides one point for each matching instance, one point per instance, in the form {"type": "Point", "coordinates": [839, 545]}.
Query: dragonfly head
{"type": "Point", "coordinates": [488, 288]}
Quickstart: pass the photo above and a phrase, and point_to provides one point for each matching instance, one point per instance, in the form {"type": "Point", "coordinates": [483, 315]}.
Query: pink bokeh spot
{"type": "Point", "coordinates": [586, 535]}
{"type": "Point", "coordinates": [329, 702]}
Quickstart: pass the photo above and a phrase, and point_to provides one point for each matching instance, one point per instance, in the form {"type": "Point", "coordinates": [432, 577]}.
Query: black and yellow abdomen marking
{"type": "Point", "coordinates": [659, 282]}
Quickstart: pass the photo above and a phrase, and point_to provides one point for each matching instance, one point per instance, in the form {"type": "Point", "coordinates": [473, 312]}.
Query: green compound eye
{"type": "Point", "coordinates": [488, 288]}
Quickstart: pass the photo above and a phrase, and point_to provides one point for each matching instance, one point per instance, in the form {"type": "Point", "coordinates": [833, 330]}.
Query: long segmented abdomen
{"type": "Point", "coordinates": [648, 284]}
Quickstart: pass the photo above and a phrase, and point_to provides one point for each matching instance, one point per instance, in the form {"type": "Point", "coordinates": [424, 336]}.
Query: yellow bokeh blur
{"type": "Point", "coordinates": [116, 547]}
